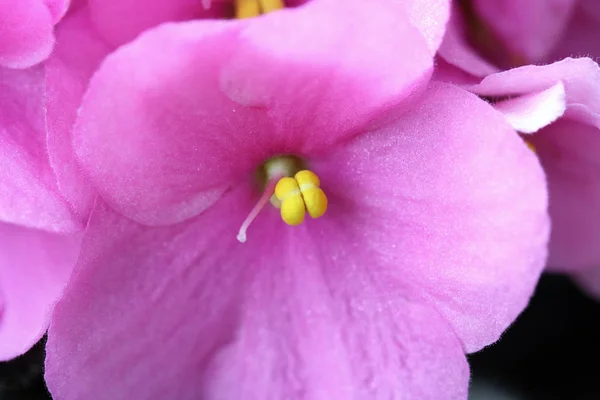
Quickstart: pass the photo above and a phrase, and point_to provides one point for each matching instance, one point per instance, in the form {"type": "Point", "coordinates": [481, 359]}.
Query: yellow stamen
{"type": "Point", "coordinates": [531, 146]}
{"type": "Point", "coordinates": [271, 5]}
{"type": "Point", "coordinates": [247, 8]}
{"type": "Point", "coordinates": [254, 8]}
{"type": "Point", "coordinates": [300, 194]}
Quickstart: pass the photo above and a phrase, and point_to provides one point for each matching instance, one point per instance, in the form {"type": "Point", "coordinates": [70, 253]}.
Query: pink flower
{"type": "Point", "coordinates": [508, 33]}
{"type": "Point", "coordinates": [26, 30]}
{"type": "Point", "coordinates": [38, 234]}
{"type": "Point", "coordinates": [434, 237]}
{"type": "Point", "coordinates": [559, 105]}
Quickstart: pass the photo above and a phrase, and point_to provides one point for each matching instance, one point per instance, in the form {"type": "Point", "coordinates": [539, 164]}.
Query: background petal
{"type": "Point", "coordinates": [25, 33]}
{"type": "Point", "coordinates": [28, 192]}
{"type": "Point", "coordinates": [453, 204]}
{"type": "Point", "coordinates": [34, 269]}
{"type": "Point", "coordinates": [172, 119]}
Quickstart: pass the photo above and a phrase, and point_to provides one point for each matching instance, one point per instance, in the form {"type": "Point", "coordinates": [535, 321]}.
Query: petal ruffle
{"type": "Point", "coordinates": [455, 208]}
{"type": "Point", "coordinates": [26, 33]}
{"type": "Point", "coordinates": [172, 118]}
{"type": "Point", "coordinates": [34, 269]}
{"type": "Point", "coordinates": [28, 192]}
{"type": "Point", "coordinates": [288, 312]}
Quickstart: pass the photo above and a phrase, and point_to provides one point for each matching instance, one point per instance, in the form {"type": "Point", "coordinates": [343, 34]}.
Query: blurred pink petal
{"type": "Point", "coordinates": [29, 195]}
{"type": "Point", "coordinates": [580, 38]}
{"type": "Point", "coordinates": [77, 55]}
{"type": "Point", "coordinates": [530, 29]}
{"type": "Point", "coordinates": [214, 77]}
{"type": "Point", "coordinates": [34, 269]}
{"type": "Point", "coordinates": [568, 150]}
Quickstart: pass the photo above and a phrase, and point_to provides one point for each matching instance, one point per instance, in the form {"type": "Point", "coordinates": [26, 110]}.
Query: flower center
{"type": "Point", "coordinates": [292, 189]}
{"type": "Point", "coordinates": [254, 8]}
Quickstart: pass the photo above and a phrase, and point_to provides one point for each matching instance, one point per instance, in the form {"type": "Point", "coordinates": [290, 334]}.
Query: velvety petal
{"type": "Point", "coordinates": [454, 205]}
{"type": "Point", "coordinates": [569, 152]}
{"type": "Point", "coordinates": [529, 29]}
{"type": "Point", "coordinates": [166, 124]}
{"type": "Point", "coordinates": [120, 21]}
{"type": "Point", "coordinates": [458, 52]}
{"type": "Point", "coordinates": [76, 56]}
{"type": "Point", "coordinates": [34, 269]}
{"type": "Point", "coordinates": [28, 192]}
{"type": "Point", "coordinates": [289, 314]}
{"type": "Point", "coordinates": [531, 112]}
{"type": "Point", "coordinates": [25, 33]}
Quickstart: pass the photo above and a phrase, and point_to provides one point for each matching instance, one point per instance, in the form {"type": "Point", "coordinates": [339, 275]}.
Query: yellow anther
{"type": "Point", "coordinates": [271, 5]}
{"type": "Point", "coordinates": [247, 8]}
{"type": "Point", "coordinates": [254, 8]}
{"type": "Point", "coordinates": [531, 146]}
{"type": "Point", "coordinates": [300, 194]}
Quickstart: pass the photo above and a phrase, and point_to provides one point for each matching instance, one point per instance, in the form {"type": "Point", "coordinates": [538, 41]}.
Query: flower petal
{"type": "Point", "coordinates": [34, 269]}
{"type": "Point", "coordinates": [164, 128]}
{"type": "Point", "coordinates": [57, 8]}
{"type": "Point", "coordinates": [28, 192]}
{"type": "Point", "coordinates": [430, 17]}
{"type": "Point", "coordinates": [25, 33]}
{"type": "Point", "coordinates": [435, 194]}
{"type": "Point", "coordinates": [77, 54]}
{"type": "Point", "coordinates": [120, 21]}
{"type": "Point", "coordinates": [288, 312]}
{"type": "Point", "coordinates": [529, 29]}
{"type": "Point", "coordinates": [580, 37]}
{"type": "Point", "coordinates": [589, 280]}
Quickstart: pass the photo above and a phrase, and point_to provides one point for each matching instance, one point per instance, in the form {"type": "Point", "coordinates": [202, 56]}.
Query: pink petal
{"type": "Point", "coordinates": [589, 280]}
{"type": "Point", "coordinates": [444, 187]}
{"type": "Point", "coordinates": [57, 8]}
{"type": "Point", "coordinates": [580, 37]}
{"type": "Point", "coordinates": [77, 55]}
{"type": "Point", "coordinates": [457, 51]}
{"type": "Point", "coordinates": [120, 21]}
{"type": "Point", "coordinates": [568, 151]}
{"type": "Point", "coordinates": [28, 192]}
{"type": "Point", "coordinates": [34, 269]}
{"type": "Point", "coordinates": [531, 112]}
{"type": "Point", "coordinates": [430, 17]}
{"type": "Point", "coordinates": [529, 29]}
{"type": "Point", "coordinates": [153, 105]}
{"type": "Point", "coordinates": [25, 33]}
{"type": "Point", "coordinates": [290, 314]}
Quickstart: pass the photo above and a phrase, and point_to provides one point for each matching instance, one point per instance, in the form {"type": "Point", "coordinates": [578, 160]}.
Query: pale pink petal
{"type": "Point", "coordinates": [461, 200]}
{"type": "Point", "coordinates": [76, 56]}
{"type": "Point", "coordinates": [531, 112]}
{"type": "Point", "coordinates": [34, 269]}
{"type": "Point", "coordinates": [529, 29]}
{"type": "Point", "coordinates": [153, 106]}
{"type": "Point", "coordinates": [25, 33]}
{"type": "Point", "coordinates": [28, 192]}
{"type": "Point", "coordinates": [458, 52]}
{"type": "Point", "coordinates": [290, 314]}
{"type": "Point", "coordinates": [120, 21]}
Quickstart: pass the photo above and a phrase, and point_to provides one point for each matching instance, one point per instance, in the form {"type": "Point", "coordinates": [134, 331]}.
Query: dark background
{"type": "Point", "coordinates": [551, 352]}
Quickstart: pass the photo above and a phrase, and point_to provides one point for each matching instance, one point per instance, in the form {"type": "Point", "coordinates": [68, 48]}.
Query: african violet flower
{"type": "Point", "coordinates": [487, 35]}
{"type": "Point", "coordinates": [38, 240]}
{"type": "Point", "coordinates": [431, 244]}
{"type": "Point", "coordinates": [26, 30]}
{"type": "Point", "coordinates": [557, 108]}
